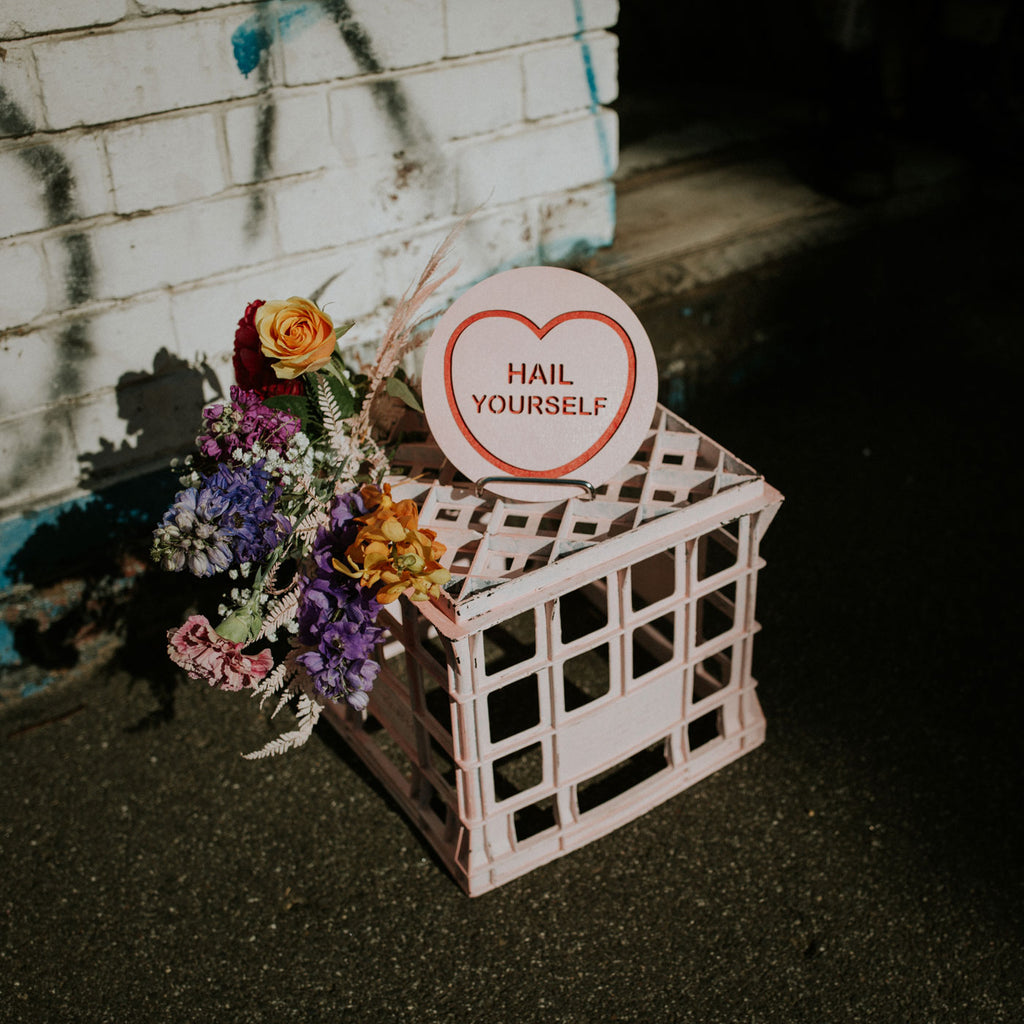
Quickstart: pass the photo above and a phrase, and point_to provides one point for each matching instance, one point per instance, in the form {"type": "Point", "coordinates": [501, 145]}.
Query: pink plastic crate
{"type": "Point", "coordinates": [590, 659]}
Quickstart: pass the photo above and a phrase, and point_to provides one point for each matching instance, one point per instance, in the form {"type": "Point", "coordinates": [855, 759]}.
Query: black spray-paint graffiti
{"type": "Point", "coordinates": [252, 42]}
{"type": "Point", "coordinates": [53, 172]}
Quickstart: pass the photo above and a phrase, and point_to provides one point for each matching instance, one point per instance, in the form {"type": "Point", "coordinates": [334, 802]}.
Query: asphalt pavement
{"type": "Point", "coordinates": [863, 865]}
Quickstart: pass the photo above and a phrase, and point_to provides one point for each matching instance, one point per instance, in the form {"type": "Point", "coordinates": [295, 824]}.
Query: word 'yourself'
{"type": "Point", "coordinates": [549, 405]}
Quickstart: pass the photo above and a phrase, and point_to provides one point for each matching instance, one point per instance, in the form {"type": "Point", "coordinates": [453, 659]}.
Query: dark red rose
{"type": "Point", "coordinates": [253, 371]}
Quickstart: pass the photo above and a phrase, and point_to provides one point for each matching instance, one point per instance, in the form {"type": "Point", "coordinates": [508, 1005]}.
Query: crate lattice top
{"type": "Point", "coordinates": [493, 541]}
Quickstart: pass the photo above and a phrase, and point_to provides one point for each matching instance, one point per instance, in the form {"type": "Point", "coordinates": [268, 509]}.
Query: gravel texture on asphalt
{"type": "Point", "coordinates": [863, 865]}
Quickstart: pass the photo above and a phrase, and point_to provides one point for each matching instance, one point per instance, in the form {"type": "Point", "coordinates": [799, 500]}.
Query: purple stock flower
{"type": "Point", "coordinates": [337, 615]}
{"type": "Point", "coordinates": [228, 520]}
{"type": "Point", "coordinates": [251, 495]}
{"type": "Point", "coordinates": [244, 423]}
{"type": "Point", "coordinates": [191, 536]}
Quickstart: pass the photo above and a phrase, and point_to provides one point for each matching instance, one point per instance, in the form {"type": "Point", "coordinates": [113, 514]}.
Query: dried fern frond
{"type": "Point", "coordinates": [308, 714]}
{"type": "Point", "coordinates": [334, 423]}
{"type": "Point", "coordinates": [273, 681]}
{"type": "Point", "coordinates": [281, 611]}
{"type": "Point", "coordinates": [293, 688]}
{"type": "Point", "coordinates": [311, 522]}
{"type": "Point", "coordinates": [400, 336]}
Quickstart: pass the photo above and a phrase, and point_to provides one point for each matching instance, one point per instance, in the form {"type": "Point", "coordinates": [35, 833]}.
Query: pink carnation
{"type": "Point", "coordinates": [204, 654]}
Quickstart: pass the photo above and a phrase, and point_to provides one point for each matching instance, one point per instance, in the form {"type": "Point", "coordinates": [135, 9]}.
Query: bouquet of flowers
{"type": "Point", "coordinates": [284, 495]}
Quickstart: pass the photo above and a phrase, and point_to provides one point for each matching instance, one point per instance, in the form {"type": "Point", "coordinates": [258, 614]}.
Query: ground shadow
{"type": "Point", "coordinates": [92, 594]}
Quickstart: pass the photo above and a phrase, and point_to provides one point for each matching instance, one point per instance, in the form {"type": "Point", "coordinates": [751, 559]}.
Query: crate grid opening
{"type": "Point", "coordinates": [589, 660]}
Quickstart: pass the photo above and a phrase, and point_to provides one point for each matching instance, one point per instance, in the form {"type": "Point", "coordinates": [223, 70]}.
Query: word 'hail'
{"type": "Point", "coordinates": [537, 374]}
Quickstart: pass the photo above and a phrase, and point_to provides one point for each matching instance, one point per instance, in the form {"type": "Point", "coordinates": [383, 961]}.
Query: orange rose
{"type": "Point", "coordinates": [295, 335]}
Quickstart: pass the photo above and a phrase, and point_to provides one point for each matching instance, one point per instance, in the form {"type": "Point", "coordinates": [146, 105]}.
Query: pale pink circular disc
{"type": "Point", "coordinates": [536, 374]}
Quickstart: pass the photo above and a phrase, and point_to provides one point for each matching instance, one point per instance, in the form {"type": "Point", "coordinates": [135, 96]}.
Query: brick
{"type": "Point", "coordinates": [382, 35]}
{"type": "Point", "coordinates": [362, 342]}
{"type": "Point", "coordinates": [23, 209]}
{"type": "Point", "coordinates": [574, 225]}
{"type": "Point", "coordinates": [470, 99]}
{"type": "Point", "coordinates": [21, 111]}
{"type": "Point", "coordinates": [24, 294]}
{"type": "Point", "coordinates": [570, 76]}
{"type": "Point", "coordinates": [125, 342]}
{"type": "Point", "coordinates": [357, 283]}
{"type": "Point", "coordinates": [465, 99]}
{"type": "Point", "coordinates": [84, 354]}
{"type": "Point", "coordinates": [205, 317]}
{"type": "Point", "coordinates": [474, 27]}
{"type": "Point", "coordinates": [359, 127]}
{"type": "Point", "coordinates": [91, 192]}
{"type": "Point", "coordinates": [30, 17]}
{"type": "Point", "coordinates": [454, 102]}
{"type": "Point", "coordinates": [51, 182]}
{"type": "Point", "coordinates": [28, 365]}
{"type": "Point", "coordinates": [537, 160]}
{"type": "Point", "coordinates": [159, 6]}
{"type": "Point", "coordinates": [171, 247]}
{"type": "Point", "coordinates": [164, 163]}
{"type": "Point", "coordinates": [300, 141]}
{"type": "Point", "coordinates": [360, 201]}
{"type": "Point", "coordinates": [37, 458]}
{"type": "Point", "coordinates": [491, 241]}
{"type": "Point", "coordinates": [169, 66]}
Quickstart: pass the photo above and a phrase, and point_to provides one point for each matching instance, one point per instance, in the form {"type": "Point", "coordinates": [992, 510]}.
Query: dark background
{"type": "Point", "coordinates": [863, 865]}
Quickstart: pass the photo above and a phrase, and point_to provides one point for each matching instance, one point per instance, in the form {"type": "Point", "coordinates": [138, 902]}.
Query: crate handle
{"type": "Point", "coordinates": [481, 485]}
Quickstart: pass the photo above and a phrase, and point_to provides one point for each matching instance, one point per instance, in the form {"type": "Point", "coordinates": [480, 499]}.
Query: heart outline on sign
{"type": "Point", "coordinates": [540, 333]}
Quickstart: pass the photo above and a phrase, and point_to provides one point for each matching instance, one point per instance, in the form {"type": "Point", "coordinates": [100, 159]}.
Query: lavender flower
{"type": "Point", "coordinates": [230, 519]}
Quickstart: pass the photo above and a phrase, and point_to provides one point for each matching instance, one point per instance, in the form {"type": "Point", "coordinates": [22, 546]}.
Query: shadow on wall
{"type": "Point", "coordinates": [81, 596]}
{"type": "Point", "coordinates": [161, 411]}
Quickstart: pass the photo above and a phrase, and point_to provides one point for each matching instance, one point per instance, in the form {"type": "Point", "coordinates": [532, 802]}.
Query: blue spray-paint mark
{"type": "Point", "coordinates": [248, 43]}
{"type": "Point", "coordinates": [29, 688]}
{"type": "Point", "coordinates": [9, 656]}
{"type": "Point", "coordinates": [15, 533]}
{"type": "Point", "coordinates": [607, 157]}
{"type": "Point", "coordinates": [252, 38]}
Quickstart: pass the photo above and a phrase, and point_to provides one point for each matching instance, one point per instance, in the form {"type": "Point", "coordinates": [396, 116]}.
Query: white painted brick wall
{"type": "Point", "coordinates": [560, 78]}
{"type": "Point", "coordinates": [459, 100]}
{"type": "Point", "coordinates": [39, 459]}
{"type": "Point", "coordinates": [30, 363]}
{"type": "Point", "coordinates": [163, 163]}
{"type": "Point", "coordinates": [381, 35]}
{"type": "Point", "coordinates": [582, 219]}
{"type": "Point", "coordinates": [537, 159]}
{"type": "Point", "coordinates": [24, 294]}
{"type": "Point", "coordinates": [20, 102]}
{"type": "Point", "coordinates": [102, 78]}
{"type": "Point", "coordinates": [475, 26]}
{"type": "Point", "coordinates": [301, 139]}
{"type": "Point", "coordinates": [170, 247]}
{"type": "Point", "coordinates": [32, 17]}
{"type": "Point", "coordinates": [24, 208]}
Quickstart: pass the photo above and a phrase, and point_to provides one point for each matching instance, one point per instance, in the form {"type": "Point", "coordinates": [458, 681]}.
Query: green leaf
{"type": "Point", "coordinates": [399, 389]}
{"type": "Point", "coordinates": [297, 405]}
{"type": "Point", "coordinates": [342, 395]}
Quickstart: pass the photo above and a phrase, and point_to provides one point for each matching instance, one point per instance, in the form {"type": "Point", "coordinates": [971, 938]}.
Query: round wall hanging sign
{"type": "Point", "coordinates": [537, 377]}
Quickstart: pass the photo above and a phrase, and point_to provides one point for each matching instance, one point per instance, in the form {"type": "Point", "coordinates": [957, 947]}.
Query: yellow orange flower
{"type": "Point", "coordinates": [295, 335]}
{"type": "Point", "coordinates": [392, 550]}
